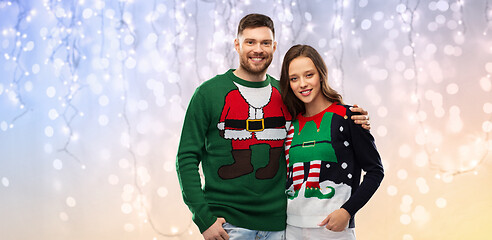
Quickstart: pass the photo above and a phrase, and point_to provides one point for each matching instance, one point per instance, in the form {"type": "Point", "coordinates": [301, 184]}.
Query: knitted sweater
{"type": "Point", "coordinates": [325, 155]}
{"type": "Point", "coordinates": [236, 130]}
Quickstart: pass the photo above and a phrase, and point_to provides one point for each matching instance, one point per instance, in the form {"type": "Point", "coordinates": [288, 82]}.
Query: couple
{"type": "Point", "coordinates": [248, 142]}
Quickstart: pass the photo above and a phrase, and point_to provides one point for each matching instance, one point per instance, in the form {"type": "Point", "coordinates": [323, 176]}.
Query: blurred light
{"type": "Point", "coordinates": [402, 174]}
{"type": "Point", "coordinates": [392, 190]}
{"type": "Point", "coordinates": [5, 182]}
{"type": "Point", "coordinates": [70, 201]}
{"type": "Point", "coordinates": [405, 219]}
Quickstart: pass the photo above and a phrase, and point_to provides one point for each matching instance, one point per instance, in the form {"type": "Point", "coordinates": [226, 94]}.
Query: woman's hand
{"type": "Point", "coordinates": [337, 221]}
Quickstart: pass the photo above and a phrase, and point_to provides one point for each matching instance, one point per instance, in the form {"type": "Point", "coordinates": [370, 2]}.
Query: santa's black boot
{"type": "Point", "coordinates": [241, 166]}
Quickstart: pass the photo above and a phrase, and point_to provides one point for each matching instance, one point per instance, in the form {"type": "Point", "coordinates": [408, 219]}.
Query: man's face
{"type": "Point", "coordinates": [255, 47]}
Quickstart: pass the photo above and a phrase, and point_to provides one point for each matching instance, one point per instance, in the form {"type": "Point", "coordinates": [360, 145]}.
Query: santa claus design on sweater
{"type": "Point", "coordinates": [253, 116]}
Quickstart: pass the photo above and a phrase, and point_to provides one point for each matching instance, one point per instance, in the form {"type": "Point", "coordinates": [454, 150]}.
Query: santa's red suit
{"type": "Point", "coordinates": [253, 116]}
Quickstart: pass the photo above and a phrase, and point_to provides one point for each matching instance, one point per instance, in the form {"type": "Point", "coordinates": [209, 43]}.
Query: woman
{"type": "Point", "coordinates": [325, 152]}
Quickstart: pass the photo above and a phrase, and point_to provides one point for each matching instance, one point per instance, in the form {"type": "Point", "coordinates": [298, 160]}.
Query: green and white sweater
{"type": "Point", "coordinates": [236, 129]}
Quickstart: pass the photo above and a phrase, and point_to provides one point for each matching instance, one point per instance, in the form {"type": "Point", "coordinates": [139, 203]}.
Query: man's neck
{"type": "Point", "coordinates": [245, 75]}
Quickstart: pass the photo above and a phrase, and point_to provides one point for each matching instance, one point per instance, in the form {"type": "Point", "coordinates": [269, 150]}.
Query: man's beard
{"type": "Point", "coordinates": [255, 69]}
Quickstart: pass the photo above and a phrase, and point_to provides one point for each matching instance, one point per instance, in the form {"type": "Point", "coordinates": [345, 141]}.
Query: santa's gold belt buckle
{"type": "Point", "coordinates": [309, 144]}
{"type": "Point", "coordinates": [250, 121]}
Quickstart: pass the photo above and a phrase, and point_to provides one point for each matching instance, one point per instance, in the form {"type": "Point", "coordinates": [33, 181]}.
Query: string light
{"type": "Point", "coordinates": [488, 17]}
{"type": "Point", "coordinates": [337, 28]}
{"type": "Point", "coordinates": [16, 56]}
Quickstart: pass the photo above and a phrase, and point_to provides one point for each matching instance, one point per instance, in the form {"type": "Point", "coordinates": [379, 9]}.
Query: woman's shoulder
{"type": "Point", "coordinates": [340, 109]}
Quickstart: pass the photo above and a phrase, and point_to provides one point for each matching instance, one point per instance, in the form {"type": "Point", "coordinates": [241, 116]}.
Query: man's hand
{"type": "Point", "coordinates": [216, 231]}
{"type": "Point", "coordinates": [362, 119]}
{"type": "Point", "coordinates": [337, 221]}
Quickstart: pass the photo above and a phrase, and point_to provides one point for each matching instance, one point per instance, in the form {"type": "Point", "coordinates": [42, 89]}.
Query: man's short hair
{"type": "Point", "coordinates": [255, 20]}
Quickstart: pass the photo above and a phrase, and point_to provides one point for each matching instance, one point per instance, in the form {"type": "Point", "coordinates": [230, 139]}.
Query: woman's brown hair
{"type": "Point", "coordinates": [294, 105]}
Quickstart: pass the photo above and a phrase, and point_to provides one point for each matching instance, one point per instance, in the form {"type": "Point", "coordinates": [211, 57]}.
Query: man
{"type": "Point", "coordinates": [235, 126]}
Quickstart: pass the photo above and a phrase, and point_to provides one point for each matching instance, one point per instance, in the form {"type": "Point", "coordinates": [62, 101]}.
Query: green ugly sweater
{"type": "Point", "coordinates": [236, 129]}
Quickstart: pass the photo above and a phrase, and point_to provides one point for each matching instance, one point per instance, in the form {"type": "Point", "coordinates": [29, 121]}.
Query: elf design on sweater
{"type": "Point", "coordinates": [252, 116]}
{"type": "Point", "coordinates": [325, 154]}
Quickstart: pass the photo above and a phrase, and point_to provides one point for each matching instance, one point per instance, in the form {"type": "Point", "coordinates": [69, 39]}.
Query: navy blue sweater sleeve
{"type": "Point", "coordinates": [367, 157]}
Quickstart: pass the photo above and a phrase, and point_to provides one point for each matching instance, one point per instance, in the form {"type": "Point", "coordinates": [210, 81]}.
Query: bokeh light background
{"type": "Point", "coordinates": [93, 94]}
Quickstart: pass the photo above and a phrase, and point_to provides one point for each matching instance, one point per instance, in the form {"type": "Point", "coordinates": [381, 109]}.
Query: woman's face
{"type": "Point", "coordinates": [305, 80]}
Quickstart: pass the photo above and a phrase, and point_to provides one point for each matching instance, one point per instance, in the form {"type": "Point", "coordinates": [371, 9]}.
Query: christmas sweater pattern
{"type": "Point", "coordinates": [236, 130]}
{"type": "Point", "coordinates": [325, 154]}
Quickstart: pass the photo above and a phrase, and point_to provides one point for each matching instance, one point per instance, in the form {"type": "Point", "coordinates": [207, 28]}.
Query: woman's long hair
{"type": "Point", "coordinates": [294, 105]}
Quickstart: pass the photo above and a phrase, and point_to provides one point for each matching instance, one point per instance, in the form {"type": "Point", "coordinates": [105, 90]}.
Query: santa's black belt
{"type": "Point", "coordinates": [255, 125]}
